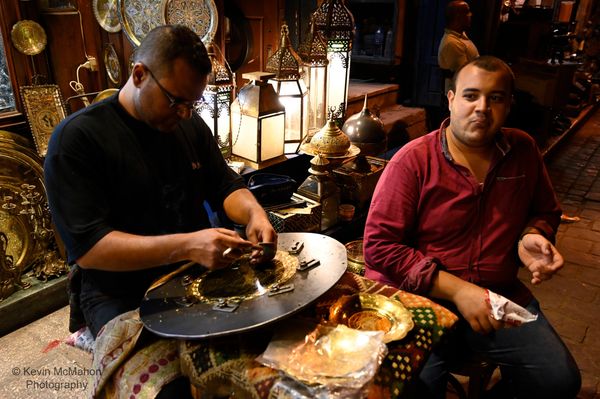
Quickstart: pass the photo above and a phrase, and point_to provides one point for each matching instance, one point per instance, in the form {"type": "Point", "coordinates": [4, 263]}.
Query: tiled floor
{"type": "Point", "coordinates": [571, 300]}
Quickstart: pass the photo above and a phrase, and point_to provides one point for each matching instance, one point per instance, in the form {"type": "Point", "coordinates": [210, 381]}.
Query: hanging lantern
{"type": "Point", "coordinates": [258, 121]}
{"type": "Point", "coordinates": [313, 53]}
{"type": "Point", "coordinates": [214, 108]}
{"type": "Point", "coordinates": [334, 21]}
{"type": "Point", "coordinates": [290, 87]}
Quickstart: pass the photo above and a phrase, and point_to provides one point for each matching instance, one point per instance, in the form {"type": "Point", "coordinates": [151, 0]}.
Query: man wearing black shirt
{"type": "Point", "coordinates": [127, 178]}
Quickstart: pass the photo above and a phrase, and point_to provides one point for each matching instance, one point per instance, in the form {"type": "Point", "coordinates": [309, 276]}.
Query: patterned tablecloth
{"type": "Point", "coordinates": [229, 361]}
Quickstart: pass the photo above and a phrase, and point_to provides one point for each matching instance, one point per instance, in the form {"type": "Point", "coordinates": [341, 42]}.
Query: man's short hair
{"type": "Point", "coordinates": [490, 64]}
{"type": "Point", "coordinates": [163, 44]}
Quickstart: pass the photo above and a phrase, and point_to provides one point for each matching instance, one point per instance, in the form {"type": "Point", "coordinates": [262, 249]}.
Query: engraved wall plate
{"type": "Point", "coordinates": [199, 15]}
{"type": "Point", "coordinates": [138, 17]}
{"type": "Point", "coordinates": [111, 64]}
{"type": "Point", "coordinates": [107, 15]}
{"type": "Point", "coordinates": [28, 37]}
{"type": "Point", "coordinates": [22, 200]}
{"type": "Point", "coordinates": [44, 108]}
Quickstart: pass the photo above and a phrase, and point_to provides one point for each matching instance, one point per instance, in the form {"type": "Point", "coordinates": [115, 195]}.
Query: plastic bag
{"type": "Point", "coordinates": [327, 362]}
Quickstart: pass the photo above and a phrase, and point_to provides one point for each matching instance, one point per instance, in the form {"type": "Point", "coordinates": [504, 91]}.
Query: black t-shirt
{"type": "Point", "coordinates": [106, 170]}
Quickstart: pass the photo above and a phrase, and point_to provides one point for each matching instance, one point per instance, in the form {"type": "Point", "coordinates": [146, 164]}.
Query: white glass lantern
{"type": "Point", "coordinates": [313, 53]}
{"type": "Point", "coordinates": [258, 121]}
{"type": "Point", "coordinates": [335, 22]}
{"type": "Point", "coordinates": [214, 108]}
{"type": "Point", "coordinates": [290, 87]}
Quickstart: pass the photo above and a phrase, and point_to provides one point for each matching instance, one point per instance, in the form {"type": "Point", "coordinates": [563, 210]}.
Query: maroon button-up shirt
{"type": "Point", "coordinates": [430, 213]}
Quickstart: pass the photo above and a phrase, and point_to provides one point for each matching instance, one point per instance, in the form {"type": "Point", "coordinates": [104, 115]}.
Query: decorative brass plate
{"type": "Point", "coordinates": [111, 64]}
{"type": "Point", "coordinates": [138, 17]}
{"type": "Point", "coordinates": [107, 15]}
{"type": "Point", "coordinates": [104, 94]}
{"type": "Point", "coordinates": [373, 312]}
{"type": "Point", "coordinates": [18, 230]}
{"type": "Point", "coordinates": [243, 281]}
{"type": "Point", "coordinates": [22, 197]}
{"type": "Point", "coordinates": [199, 15]}
{"type": "Point", "coordinates": [44, 108]}
{"type": "Point", "coordinates": [28, 37]}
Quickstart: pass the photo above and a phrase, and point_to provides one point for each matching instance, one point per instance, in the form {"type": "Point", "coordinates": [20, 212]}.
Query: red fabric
{"type": "Point", "coordinates": [429, 212]}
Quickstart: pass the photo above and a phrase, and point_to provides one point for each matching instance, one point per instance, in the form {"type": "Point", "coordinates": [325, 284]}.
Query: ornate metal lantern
{"type": "Point", "coordinates": [334, 21]}
{"type": "Point", "coordinates": [290, 87]}
{"type": "Point", "coordinates": [258, 121]}
{"type": "Point", "coordinates": [320, 187]}
{"type": "Point", "coordinates": [313, 53]}
{"type": "Point", "coordinates": [214, 108]}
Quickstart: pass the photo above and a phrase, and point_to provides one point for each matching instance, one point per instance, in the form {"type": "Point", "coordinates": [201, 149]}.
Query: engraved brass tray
{"type": "Point", "coordinates": [199, 15]}
{"type": "Point", "coordinates": [243, 281]}
{"type": "Point", "coordinates": [28, 37]}
{"type": "Point", "coordinates": [104, 94]}
{"type": "Point", "coordinates": [138, 17]}
{"type": "Point", "coordinates": [107, 15]}
{"type": "Point", "coordinates": [22, 198]}
{"type": "Point", "coordinates": [111, 64]}
{"type": "Point", "coordinates": [169, 311]}
{"type": "Point", "coordinates": [373, 312]}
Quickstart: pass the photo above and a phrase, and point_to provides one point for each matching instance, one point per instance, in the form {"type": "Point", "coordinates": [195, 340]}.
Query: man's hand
{"type": "Point", "coordinates": [539, 256]}
{"type": "Point", "coordinates": [260, 230]}
{"type": "Point", "coordinates": [471, 301]}
{"type": "Point", "coordinates": [207, 247]}
{"type": "Point", "coordinates": [242, 208]}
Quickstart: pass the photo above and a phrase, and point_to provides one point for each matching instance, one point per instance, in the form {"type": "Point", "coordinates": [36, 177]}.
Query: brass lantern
{"type": "Point", "coordinates": [258, 121]}
{"type": "Point", "coordinates": [313, 53]}
{"type": "Point", "coordinates": [290, 87]}
{"type": "Point", "coordinates": [334, 21]}
{"type": "Point", "coordinates": [214, 108]}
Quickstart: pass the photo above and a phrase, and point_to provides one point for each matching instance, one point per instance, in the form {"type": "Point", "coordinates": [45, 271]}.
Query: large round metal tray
{"type": "Point", "coordinates": [138, 17]}
{"type": "Point", "coordinates": [165, 312]}
{"type": "Point", "coordinates": [107, 15]}
{"type": "Point", "coordinates": [21, 175]}
{"type": "Point", "coordinates": [199, 15]}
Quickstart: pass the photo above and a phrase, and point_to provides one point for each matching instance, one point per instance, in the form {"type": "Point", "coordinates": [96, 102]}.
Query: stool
{"type": "Point", "coordinates": [479, 373]}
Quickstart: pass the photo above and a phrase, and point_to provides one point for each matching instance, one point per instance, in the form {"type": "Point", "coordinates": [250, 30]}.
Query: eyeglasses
{"type": "Point", "coordinates": [175, 102]}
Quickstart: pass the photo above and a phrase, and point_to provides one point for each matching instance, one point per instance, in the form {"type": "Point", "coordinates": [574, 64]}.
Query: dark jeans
{"type": "Point", "coordinates": [533, 360]}
{"type": "Point", "coordinates": [99, 307]}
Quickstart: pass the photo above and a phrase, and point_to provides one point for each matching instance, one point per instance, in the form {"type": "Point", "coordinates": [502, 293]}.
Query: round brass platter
{"type": "Point", "coordinates": [373, 312]}
{"type": "Point", "coordinates": [28, 37]}
{"type": "Point", "coordinates": [104, 94]}
{"type": "Point", "coordinates": [22, 195]}
{"type": "Point", "coordinates": [138, 17]}
{"type": "Point", "coordinates": [107, 15]}
{"type": "Point", "coordinates": [199, 15]}
{"type": "Point", "coordinates": [111, 64]}
{"type": "Point", "coordinates": [243, 281]}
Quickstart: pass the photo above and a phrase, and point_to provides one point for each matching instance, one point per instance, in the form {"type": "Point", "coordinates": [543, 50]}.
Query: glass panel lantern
{"type": "Point", "coordinates": [290, 87]}
{"type": "Point", "coordinates": [258, 121]}
{"type": "Point", "coordinates": [214, 108]}
{"type": "Point", "coordinates": [335, 22]}
{"type": "Point", "coordinates": [313, 53]}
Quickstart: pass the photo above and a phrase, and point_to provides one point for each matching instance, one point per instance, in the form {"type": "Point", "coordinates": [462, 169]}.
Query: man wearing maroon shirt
{"type": "Point", "coordinates": [457, 212]}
